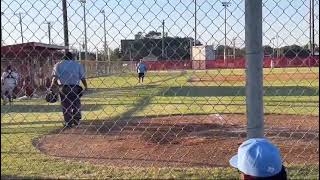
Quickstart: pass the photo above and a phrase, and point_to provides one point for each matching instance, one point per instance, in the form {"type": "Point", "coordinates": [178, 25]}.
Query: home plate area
{"type": "Point", "coordinates": [179, 141]}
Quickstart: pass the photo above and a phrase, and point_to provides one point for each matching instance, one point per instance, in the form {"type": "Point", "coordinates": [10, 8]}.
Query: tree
{"type": "Point", "coordinates": [153, 35]}
{"type": "Point", "coordinates": [115, 54]}
{"type": "Point", "coordinates": [268, 50]}
{"type": "Point", "coordinates": [295, 51]}
{"type": "Point", "coordinates": [139, 35]}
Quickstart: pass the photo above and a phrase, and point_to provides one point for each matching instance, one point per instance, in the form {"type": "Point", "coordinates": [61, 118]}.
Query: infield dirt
{"type": "Point", "coordinates": [179, 141]}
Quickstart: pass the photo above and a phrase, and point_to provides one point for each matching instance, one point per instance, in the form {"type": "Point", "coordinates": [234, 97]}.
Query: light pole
{"type": "Point", "coordinates": [225, 5]}
{"type": "Point", "coordinates": [311, 23]}
{"type": "Point", "coordinates": [108, 52]}
{"type": "Point", "coordinates": [234, 47]}
{"type": "Point", "coordinates": [130, 55]}
{"type": "Point", "coordinates": [49, 30]}
{"type": "Point", "coordinates": [20, 22]}
{"type": "Point", "coordinates": [272, 42]}
{"type": "Point", "coordinates": [83, 2]}
{"type": "Point", "coordinates": [278, 48]}
{"type": "Point", "coordinates": [80, 52]}
{"type": "Point", "coordinates": [104, 34]}
{"type": "Point", "coordinates": [162, 46]}
{"type": "Point", "coordinates": [65, 25]}
{"type": "Point", "coordinates": [191, 56]}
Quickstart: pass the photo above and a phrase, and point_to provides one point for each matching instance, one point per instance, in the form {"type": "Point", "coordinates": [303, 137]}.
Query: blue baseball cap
{"type": "Point", "coordinates": [257, 157]}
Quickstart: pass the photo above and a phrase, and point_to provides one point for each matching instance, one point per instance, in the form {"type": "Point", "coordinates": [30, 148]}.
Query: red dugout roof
{"type": "Point", "coordinates": [30, 49]}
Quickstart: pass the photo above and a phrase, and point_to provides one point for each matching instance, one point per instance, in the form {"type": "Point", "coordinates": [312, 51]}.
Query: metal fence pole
{"type": "Point", "coordinates": [254, 68]}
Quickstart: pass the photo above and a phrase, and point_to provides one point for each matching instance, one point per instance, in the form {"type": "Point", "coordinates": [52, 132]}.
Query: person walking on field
{"type": "Point", "coordinates": [66, 77]}
{"type": "Point", "coordinates": [141, 70]}
{"type": "Point", "coordinates": [9, 81]}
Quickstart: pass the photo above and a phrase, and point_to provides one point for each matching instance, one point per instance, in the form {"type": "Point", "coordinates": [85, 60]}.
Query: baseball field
{"type": "Point", "coordinates": [177, 124]}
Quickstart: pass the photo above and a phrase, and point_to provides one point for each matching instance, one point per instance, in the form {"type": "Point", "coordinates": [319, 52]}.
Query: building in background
{"type": "Point", "coordinates": [201, 54]}
{"type": "Point", "coordinates": [169, 48]}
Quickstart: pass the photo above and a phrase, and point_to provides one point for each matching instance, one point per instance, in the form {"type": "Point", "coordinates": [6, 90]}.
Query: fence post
{"type": "Point", "coordinates": [254, 68]}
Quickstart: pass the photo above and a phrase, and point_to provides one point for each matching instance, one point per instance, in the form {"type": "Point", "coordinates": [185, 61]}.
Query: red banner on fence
{"type": "Point", "coordinates": [238, 63]}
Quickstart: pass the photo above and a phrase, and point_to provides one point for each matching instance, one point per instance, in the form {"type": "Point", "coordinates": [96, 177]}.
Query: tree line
{"type": "Point", "coordinates": [164, 47]}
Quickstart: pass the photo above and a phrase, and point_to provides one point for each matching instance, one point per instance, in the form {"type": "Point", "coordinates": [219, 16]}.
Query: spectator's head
{"type": "Point", "coordinates": [9, 68]}
{"type": "Point", "coordinates": [68, 56]}
{"type": "Point", "coordinates": [258, 158]}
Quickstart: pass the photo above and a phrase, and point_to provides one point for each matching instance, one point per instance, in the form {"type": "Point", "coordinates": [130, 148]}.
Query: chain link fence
{"type": "Point", "coordinates": [187, 118]}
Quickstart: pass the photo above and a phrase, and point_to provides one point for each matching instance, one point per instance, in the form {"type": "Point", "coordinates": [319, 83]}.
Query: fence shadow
{"type": "Point", "coordinates": [7, 177]}
{"type": "Point", "coordinates": [31, 108]}
{"type": "Point", "coordinates": [238, 91]}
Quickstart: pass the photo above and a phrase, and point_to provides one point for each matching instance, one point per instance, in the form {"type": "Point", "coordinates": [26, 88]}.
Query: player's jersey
{"type": "Point", "coordinates": [141, 68]}
{"type": "Point", "coordinates": [10, 78]}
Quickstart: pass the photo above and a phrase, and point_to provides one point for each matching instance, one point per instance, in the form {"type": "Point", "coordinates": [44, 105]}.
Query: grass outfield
{"type": "Point", "coordinates": [163, 93]}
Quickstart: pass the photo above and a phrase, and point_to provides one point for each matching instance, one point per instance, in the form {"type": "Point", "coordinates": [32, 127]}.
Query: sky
{"type": "Point", "coordinates": [284, 22]}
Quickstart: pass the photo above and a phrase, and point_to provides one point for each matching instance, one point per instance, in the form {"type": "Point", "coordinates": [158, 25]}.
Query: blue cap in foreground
{"type": "Point", "coordinates": [257, 157]}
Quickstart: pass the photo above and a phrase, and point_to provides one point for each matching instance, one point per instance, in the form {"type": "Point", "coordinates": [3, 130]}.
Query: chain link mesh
{"type": "Point", "coordinates": [187, 118]}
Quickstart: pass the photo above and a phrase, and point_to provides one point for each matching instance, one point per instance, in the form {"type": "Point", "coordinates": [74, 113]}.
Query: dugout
{"type": "Point", "coordinates": [33, 61]}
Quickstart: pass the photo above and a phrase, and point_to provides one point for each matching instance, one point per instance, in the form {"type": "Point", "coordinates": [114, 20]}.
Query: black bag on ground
{"type": "Point", "coordinates": [51, 97]}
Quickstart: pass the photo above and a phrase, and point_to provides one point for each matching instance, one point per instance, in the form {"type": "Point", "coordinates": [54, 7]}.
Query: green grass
{"type": "Point", "coordinates": [164, 93]}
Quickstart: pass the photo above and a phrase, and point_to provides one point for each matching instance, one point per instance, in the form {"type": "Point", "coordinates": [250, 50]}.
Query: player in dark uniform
{"type": "Point", "coordinates": [141, 70]}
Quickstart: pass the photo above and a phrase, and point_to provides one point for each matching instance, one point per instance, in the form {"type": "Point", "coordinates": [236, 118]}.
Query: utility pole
{"type": "Point", "coordinates": [162, 52]}
{"type": "Point", "coordinates": [278, 48]}
{"type": "Point", "coordinates": [49, 30]}
{"type": "Point", "coordinates": [20, 22]}
{"type": "Point", "coordinates": [234, 47]}
{"type": "Point", "coordinates": [272, 57]}
{"type": "Point", "coordinates": [83, 2]}
{"type": "Point", "coordinates": [311, 27]}
{"type": "Point", "coordinates": [191, 56]}
{"type": "Point", "coordinates": [108, 53]}
{"type": "Point", "coordinates": [65, 25]}
{"type": "Point", "coordinates": [104, 35]}
{"type": "Point", "coordinates": [225, 5]}
{"type": "Point", "coordinates": [80, 53]}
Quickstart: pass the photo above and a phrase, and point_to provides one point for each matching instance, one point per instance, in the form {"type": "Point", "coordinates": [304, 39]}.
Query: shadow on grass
{"type": "Point", "coordinates": [31, 108]}
{"type": "Point", "coordinates": [238, 91]}
{"type": "Point", "coordinates": [119, 91]}
{"type": "Point", "coordinates": [28, 130]}
{"type": "Point", "coordinates": [23, 177]}
{"type": "Point", "coordinates": [131, 90]}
